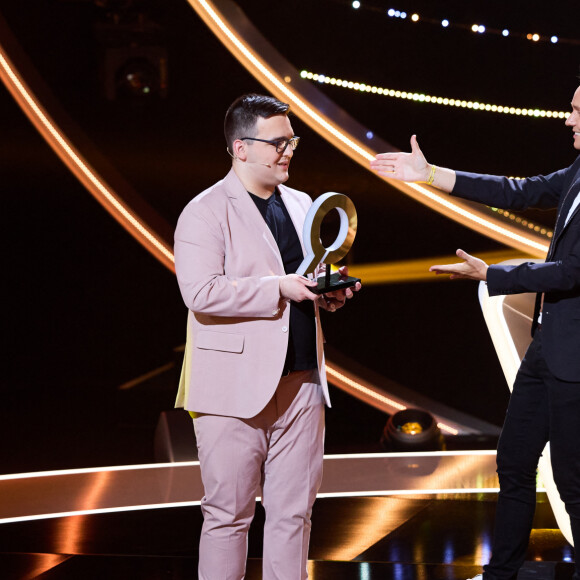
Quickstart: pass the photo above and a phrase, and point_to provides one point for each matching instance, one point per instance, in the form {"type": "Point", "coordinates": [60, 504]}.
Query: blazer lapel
{"type": "Point", "coordinates": [241, 199]}
{"type": "Point", "coordinates": [561, 223]}
{"type": "Point", "coordinates": [297, 214]}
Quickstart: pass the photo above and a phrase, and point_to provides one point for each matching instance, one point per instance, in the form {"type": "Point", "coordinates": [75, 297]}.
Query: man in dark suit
{"type": "Point", "coordinates": [545, 403]}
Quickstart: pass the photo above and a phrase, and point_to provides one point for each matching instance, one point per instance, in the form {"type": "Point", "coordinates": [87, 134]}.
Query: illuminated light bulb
{"type": "Point", "coordinates": [481, 29]}
{"type": "Point", "coordinates": [397, 13]}
{"type": "Point", "coordinates": [415, 17]}
{"type": "Point", "coordinates": [370, 135]}
{"type": "Point", "coordinates": [554, 39]}
{"type": "Point", "coordinates": [287, 79]}
{"type": "Point", "coordinates": [535, 37]}
{"type": "Point", "coordinates": [403, 15]}
{"type": "Point", "coordinates": [356, 4]}
{"type": "Point", "coordinates": [445, 23]}
{"type": "Point", "coordinates": [390, 12]}
{"type": "Point", "coordinates": [505, 32]}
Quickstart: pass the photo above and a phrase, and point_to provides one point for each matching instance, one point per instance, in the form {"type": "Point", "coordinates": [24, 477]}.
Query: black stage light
{"type": "Point", "coordinates": [133, 57]}
{"type": "Point", "coordinates": [412, 430]}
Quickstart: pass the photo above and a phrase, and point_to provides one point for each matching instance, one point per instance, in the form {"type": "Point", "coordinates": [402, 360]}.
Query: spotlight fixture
{"type": "Point", "coordinates": [412, 430]}
{"type": "Point", "coordinates": [133, 58]}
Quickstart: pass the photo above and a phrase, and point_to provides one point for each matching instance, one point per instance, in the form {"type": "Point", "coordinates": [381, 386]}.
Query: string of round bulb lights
{"type": "Point", "coordinates": [423, 98]}
{"type": "Point", "coordinates": [476, 28]}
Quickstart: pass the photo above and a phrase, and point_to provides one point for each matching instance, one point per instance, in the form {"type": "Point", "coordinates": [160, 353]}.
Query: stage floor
{"type": "Point", "coordinates": [367, 538]}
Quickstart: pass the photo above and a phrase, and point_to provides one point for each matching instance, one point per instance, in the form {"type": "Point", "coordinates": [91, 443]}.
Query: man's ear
{"type": "Point", "coordinates": [239, 150]}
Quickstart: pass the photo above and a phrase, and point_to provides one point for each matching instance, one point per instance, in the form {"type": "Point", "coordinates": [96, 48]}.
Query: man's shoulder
{"type": "Point", "coordinates": [213, 196]}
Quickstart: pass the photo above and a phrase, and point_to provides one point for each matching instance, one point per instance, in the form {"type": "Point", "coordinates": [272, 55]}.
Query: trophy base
{"type": "Point", "coordinates": [334, 282]}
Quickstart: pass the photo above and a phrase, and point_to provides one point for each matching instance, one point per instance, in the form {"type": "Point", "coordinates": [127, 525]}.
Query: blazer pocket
{"type": "Point", "coordinates": [221, 341]}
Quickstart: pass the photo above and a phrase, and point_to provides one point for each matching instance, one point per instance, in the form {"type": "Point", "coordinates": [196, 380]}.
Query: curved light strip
{"type": "Point", "coordinates": [78, 165]}
{"type": "Point", "coordinates": [84, 172]}
{"type": "Point", "coordinates": [423, 98]}
{"type": "Point", "coordinates": [112, 202]}
{"type": "Point", "coordinates": [282, 87]}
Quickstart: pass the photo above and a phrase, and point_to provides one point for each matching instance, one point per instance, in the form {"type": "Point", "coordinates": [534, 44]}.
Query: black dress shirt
{"type": "Point", "coordinates": [301, 354]}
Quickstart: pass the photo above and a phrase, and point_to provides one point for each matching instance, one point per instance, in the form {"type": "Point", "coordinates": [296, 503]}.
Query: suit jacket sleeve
{"type": "Point", "coordinates": [519, 194]}
{"type": "Point", "coordinates": [556, 276]}
{"type": "Point", "coordinates": [200, 258]}
{"type": "Point", "coordinates": [542, 191]}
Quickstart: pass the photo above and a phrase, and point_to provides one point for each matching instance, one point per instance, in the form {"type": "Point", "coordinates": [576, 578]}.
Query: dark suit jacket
{"type": "Point", "coordinates": [559, 276]}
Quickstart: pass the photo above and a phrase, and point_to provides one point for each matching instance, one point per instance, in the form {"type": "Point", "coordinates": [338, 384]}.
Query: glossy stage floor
{"type": "Point", "coordinates": [425, 516]}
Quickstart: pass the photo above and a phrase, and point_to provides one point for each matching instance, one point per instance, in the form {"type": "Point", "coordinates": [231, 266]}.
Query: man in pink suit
{"type": "Point", "coordinates": [254, 366]}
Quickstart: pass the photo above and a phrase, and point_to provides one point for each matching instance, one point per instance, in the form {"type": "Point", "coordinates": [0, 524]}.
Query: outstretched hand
{"type": "Point", "coordinates": [471, 269]}
{"type": "Point", "coordinates": [404, 166]}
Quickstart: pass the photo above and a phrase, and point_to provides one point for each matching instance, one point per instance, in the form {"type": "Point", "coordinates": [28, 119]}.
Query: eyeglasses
{"type": "Point", "coordinates": [280, 144]}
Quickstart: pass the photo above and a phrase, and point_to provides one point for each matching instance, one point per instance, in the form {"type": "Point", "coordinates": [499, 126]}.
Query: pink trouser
{"type": "Point", "coordinates": [280, 449]}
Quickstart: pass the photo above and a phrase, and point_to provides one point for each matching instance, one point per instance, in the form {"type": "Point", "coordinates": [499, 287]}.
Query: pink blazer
{"type": "Point", "coordinates": [227, 264]}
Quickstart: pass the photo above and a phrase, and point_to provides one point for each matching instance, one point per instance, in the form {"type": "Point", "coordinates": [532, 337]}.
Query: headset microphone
{"type": "Point", "coordinates": [249, 162]}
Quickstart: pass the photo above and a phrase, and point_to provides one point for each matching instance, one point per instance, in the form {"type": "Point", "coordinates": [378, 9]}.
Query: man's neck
{"type": "Point", "coordinates": [258, 189]}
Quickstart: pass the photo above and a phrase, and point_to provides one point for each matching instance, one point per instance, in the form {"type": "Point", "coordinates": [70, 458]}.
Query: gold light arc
{"type": "Point", "coordinates": [79, 165]}
{"type": "Point", "coordinates": [113, 202]}
{"type": "Point", "coordinates": [239, 36]}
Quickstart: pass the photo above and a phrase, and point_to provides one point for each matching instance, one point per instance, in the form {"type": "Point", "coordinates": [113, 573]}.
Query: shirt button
{"type": "Point", "coordinates": [274, 312]}
{"type": "Point", "coordinates": [284, 329]}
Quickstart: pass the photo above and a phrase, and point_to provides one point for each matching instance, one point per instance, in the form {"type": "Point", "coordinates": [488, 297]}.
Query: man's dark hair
{"type": "Point", "coordinates": [243, 113]}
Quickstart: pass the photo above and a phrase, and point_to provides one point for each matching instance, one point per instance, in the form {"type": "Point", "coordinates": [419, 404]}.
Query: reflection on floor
{"type": "Point", "coordinates": [387, 538]}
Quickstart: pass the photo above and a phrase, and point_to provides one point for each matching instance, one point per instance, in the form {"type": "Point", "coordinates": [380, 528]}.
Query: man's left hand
{"type": "Point", "coordinates": [332, 301]}
{"type": "Point", "coordinates": [471, 269]}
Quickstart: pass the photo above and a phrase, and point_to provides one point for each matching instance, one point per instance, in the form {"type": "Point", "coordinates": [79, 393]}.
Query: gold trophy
{"type": "Point", "coordinates": [316, 253]}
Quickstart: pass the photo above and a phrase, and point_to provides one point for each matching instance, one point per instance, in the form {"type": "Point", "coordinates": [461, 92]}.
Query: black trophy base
{"type": "Point", "coordinates": [334, 282]}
